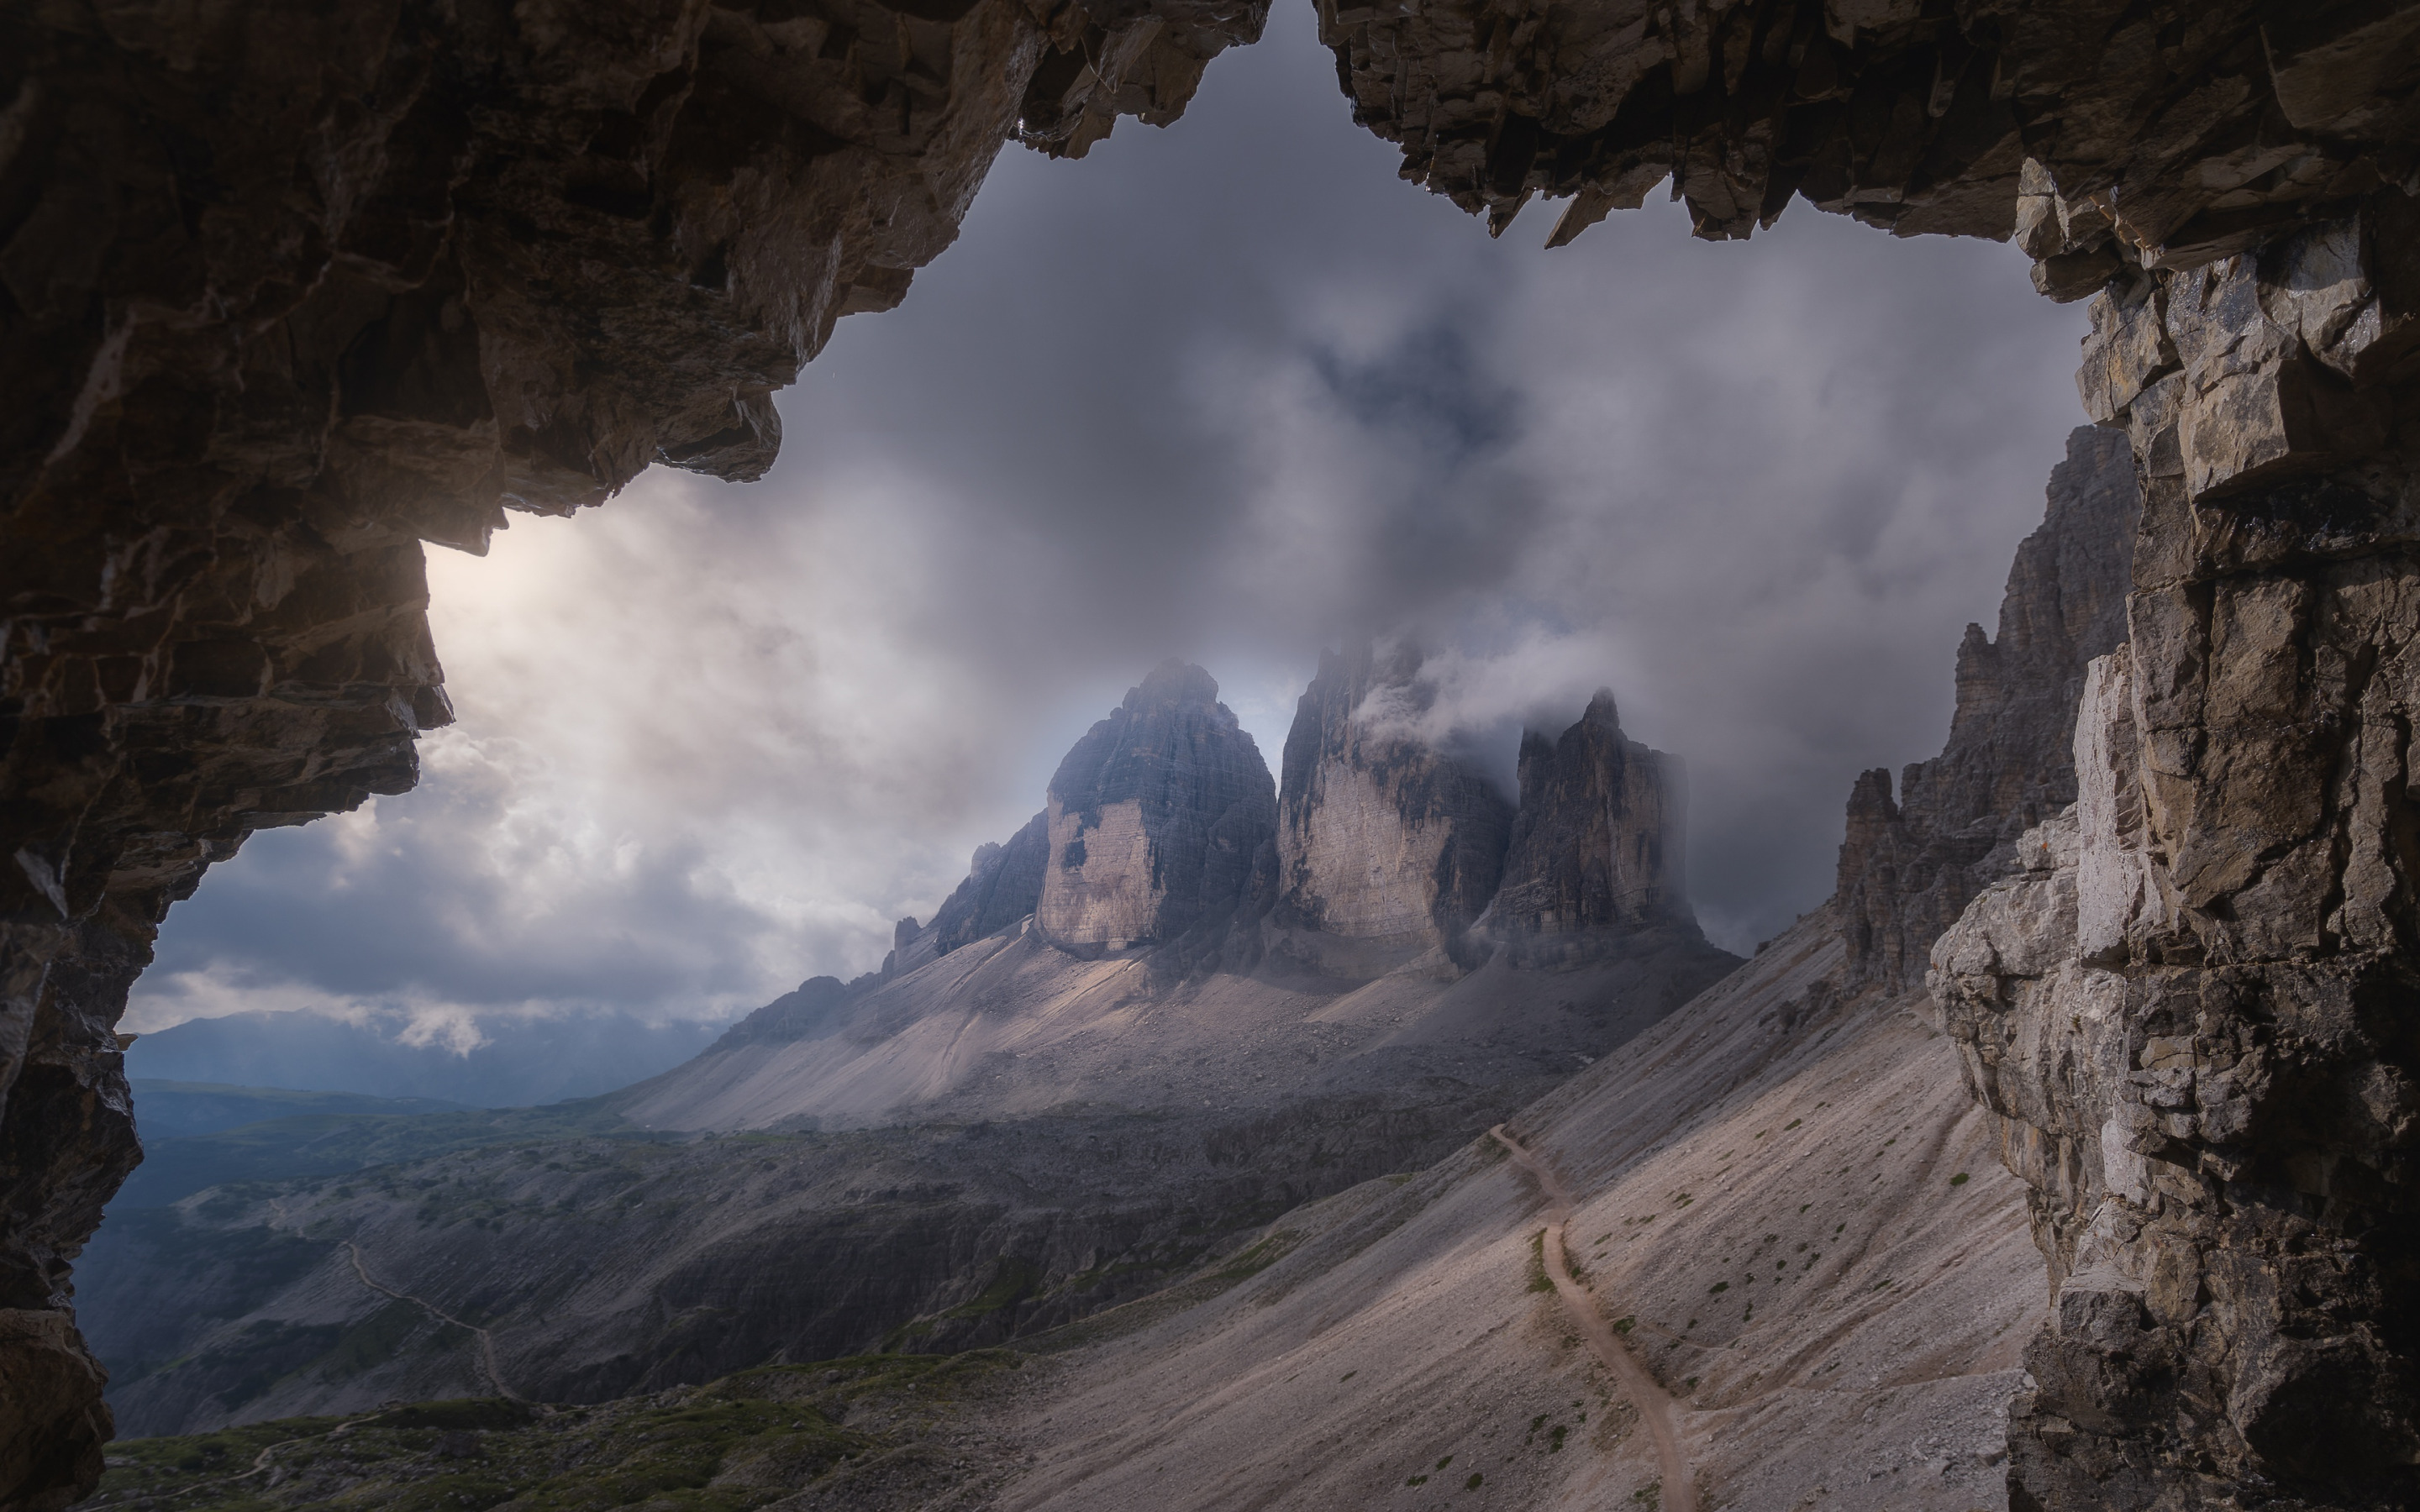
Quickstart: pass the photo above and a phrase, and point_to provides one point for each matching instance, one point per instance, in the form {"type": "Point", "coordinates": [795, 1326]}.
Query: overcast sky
{"type": "Point", "coordinates": [1228, 391]}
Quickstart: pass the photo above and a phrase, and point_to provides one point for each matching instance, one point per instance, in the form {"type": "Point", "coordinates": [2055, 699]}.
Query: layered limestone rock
{"type": "Point", "coordinates": [1908, 868]}
{"type": "Point", "coordinates": [1003, 884]}
{"type": "Point", "coordinates": [1384, 840]}
{"type": "Point", "coordinates": [2193, 1006]}
{"type": "Point", "coordinates": [286, 290]}
{"type": "Point", "coordinates": [2102, 134]}
{"type": "Point", "coordinates": [1595, 858]}
{"type": "Point", "coordinates": [1154, 819]}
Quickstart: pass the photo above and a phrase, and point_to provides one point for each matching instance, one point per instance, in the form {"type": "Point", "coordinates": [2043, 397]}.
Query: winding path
{"type": "Point", "coordinates": [1646, 1394]}
{"type": "Point", "coordinates": [487, 1342]}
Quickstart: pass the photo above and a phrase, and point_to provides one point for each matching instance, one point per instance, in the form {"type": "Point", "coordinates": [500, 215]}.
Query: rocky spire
{"type": "Point", "coordinates": [1003, 884]}
{"type": "Point", "coordinates": [1597, 843]}
{"type": "Point", "coordinates": [1908, 867]}
{"type": "Point", "coordinates": [1381, 836]}
{"type": "Point", "coordinates": [1154, 818]}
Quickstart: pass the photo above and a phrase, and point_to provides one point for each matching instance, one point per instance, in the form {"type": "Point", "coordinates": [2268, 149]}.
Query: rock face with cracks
{"type": "Point", "coordinates": [1597, 844]}
{"type": "Point", "coordinates": [2100, 133]}
{"type": "Point", "coordinates": [2192, 1006]}
{"type": "Point", "coordinates": [1154, 819]}
{"type": "Point", "coordinates": [1389, 846]}
{"type": "Point", "coordinates": [288, 291]}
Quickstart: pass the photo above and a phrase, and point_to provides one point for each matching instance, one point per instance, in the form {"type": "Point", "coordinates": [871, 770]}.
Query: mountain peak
{"type": "Point", "coordinates": [1173, 681]}
{"type": "Point", "coordinates": [1154, 818]}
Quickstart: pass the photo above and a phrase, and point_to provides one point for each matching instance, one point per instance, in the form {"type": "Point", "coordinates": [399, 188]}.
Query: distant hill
{"type": "Point", "coordinates": [307, 1145]}
{"type": "Point", "coordinates": [170, 1110]}
{"type": "Point", "coordinates": [523, 1062]}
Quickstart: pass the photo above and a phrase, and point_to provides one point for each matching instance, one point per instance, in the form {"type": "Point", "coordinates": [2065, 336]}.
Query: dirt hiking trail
{"type": "Point", "coordinates": [486, 1344]}
{"type": "Point", "coordinates": [1654, 1404]}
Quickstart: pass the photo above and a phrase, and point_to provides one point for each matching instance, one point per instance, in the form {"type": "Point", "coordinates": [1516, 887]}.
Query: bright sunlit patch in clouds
{"type": "Point", "coordinates": [701, 750]}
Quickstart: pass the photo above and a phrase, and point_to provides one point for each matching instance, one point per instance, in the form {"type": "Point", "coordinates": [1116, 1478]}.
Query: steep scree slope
{"type": "Point", "coordinates": [1770, 1213]}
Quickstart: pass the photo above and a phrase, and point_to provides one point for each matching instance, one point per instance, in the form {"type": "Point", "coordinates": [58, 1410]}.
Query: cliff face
{"type": "Point", "coordinates": [2190, 1005]}
{"type": "Point", "coordinates": [1382, 838]}
{"type": "Point", "coordinates": [1597, 846]}
{"type": "Point", "coordinates": [1909, 867]}
{"type": "Point", "coordinates": [1154, 818]}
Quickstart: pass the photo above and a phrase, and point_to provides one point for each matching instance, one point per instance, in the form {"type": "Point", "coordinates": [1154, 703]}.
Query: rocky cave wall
{"type": "Point", "coordinates": [2194, 1006]}
{"type": "Point", "coordinates": [286, 291]}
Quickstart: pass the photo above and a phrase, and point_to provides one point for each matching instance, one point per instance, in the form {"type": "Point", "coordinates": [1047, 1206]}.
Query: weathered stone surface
{"type": "Point", "coordinates": [50, 1437]}
{"type": "Point", "coordinates": [2192, 1008]}
{"type": "Point", "coordinates": [286, 290]}
{"type": "Point", "coordinates": [1909, 867]}
{"type": "Point", "coordinates": [1382, 840]}
{"type": "Point", "coordinates": [810, 1011]}
{"type": "Point", "coordinates": [1154, 819]}
{"type": "Point", "coordinates": [1597, 846]}
{"type": "Point", "coordinates": [2108, 135]}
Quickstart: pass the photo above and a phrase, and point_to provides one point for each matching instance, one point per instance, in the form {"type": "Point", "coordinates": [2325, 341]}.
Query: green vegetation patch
{"type": "Point", "coordinates": [1538, 1278]}
{"type": "Point", "coordinates": [1012, 1282]}
{"type": "Point", "coordinates": [1251, 1262]}
{"type": "Point", "coordinates": [739, 1444]}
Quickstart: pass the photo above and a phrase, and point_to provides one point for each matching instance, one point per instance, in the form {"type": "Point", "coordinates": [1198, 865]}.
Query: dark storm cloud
{"type": "Point", "coordinates": [1230, 391]}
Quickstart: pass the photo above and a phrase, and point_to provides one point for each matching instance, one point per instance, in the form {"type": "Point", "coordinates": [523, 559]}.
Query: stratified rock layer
{"type": "Point", "coordinates": [1383, 839]}
{"type": "Point", "coordinates": [2192, 1004]}
{"type": "Point", "coordinates": [1154, 819]}
{"type": "Point", "coordinates": [1597, 846]}
{"type": "Point", "coordinates": [1909, 867]}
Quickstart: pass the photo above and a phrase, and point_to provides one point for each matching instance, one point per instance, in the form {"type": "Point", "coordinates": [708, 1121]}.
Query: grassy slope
{"type": "Point", "coordinates": [738, 1443]}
